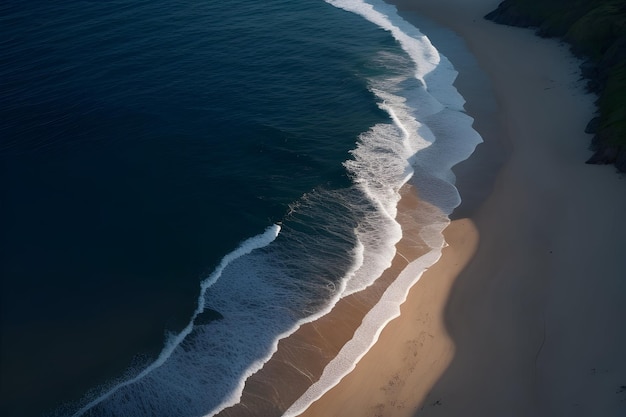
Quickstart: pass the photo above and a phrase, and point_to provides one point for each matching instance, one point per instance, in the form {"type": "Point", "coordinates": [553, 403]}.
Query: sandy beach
{"type": "Point", "coordinates": [524, 313]}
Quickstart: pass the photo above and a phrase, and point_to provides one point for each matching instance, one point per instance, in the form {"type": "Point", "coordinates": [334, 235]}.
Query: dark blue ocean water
{"type": "Point", "coordinates": [141, 142]}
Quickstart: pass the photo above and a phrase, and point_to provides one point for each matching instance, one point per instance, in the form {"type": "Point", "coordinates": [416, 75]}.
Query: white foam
{"type": "Point", "coordinates": [420, 144]}
{"type": "Point", "coordinates": [435, 134]}
{"type": "Point", "coordinates": [255, 366]}
{"type": "Point", "coordinates": [247, 246]}
{"type": "Point", "coordinates": [174, 340]}
{"type": "Point", "coordinates": [367, 334]}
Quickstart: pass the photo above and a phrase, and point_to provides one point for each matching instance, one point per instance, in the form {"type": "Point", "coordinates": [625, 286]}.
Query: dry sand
{"type": "Point", "coordinates": [524, 315]}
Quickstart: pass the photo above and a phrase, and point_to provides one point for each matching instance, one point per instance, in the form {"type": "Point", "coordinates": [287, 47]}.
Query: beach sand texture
{"type": "Point", "coordinates": [525, 313]}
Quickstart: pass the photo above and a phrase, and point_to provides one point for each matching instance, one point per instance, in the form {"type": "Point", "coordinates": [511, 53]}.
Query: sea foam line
{"type": "Point", "coordinates": [235, 397]}
{"type": "Point", "coordinates": [173, 341]}
{"type": "Point", "coordinates": [436, 76]}
{"type": "Point", "coordinates": [387, 309]}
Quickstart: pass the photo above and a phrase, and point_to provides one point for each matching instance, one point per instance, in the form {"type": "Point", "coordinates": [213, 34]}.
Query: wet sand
{"type": "Point", "coordinates": [300, 358]}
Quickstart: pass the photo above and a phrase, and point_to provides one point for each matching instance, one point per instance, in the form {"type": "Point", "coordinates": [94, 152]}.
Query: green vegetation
{"type": "Point", "coordinates": [596, 30]}
{"type": "Point", "coordinates": [612, 105]}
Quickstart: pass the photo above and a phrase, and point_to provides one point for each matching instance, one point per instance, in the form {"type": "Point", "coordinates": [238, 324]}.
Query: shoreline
{"type": "Point", "coordinates": [301, 357]}
{"type": "Point", "coordinates": [298, 370]}
{"type": "Point", "coordinates": [512, 320]}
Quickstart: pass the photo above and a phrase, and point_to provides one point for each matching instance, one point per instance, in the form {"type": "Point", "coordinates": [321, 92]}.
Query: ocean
{"type": "Point", "coordinates": [184, 184]}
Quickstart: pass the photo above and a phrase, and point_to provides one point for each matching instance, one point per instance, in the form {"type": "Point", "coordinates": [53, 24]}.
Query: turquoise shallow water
{"type": "Point", "coordinates": [180, 180]}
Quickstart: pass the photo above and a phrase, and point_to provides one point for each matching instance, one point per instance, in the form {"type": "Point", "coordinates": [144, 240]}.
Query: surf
{"type": "Point", "coordinates": [332, 242]}
{"type": "Point", "coordinates": [437, 134]}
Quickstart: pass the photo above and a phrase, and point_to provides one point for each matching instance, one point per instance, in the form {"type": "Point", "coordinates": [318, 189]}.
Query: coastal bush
{"type": "Point", "coordinates": [595, 32]}
{"type": "Point", "coordinates": [613, 105]}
